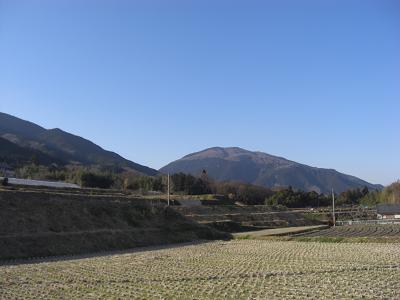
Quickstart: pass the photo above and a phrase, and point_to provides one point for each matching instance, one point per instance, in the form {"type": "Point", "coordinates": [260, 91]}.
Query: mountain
{"type": "Point", "coordinates": [236, 164]}
{"type": "Point", "coordinates": [59, 146]}
{"type": "Point", "coordinates": [15, 155]}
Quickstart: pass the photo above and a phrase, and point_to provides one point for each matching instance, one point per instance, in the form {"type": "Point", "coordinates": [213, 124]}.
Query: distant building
{"type": "Point", "coordinates": [388, 211]}
{"type": "Point", "coordinates": [53, 184]}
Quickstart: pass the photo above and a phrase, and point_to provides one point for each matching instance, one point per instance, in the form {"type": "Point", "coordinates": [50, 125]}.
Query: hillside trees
{"type": "Point", "coordinates": [295, 199]}
{"type": "Point", "coordinates": [190, 185]}
{"type": "Point", "coordinates": [93, 180]}
{"type": "Point", "coordinates": [391, 194]}
{"type": "Point", "coordinates": [242, 192]}
{"type": "Point", "coordinates": [145, 183]}
{"type": "Point", "coordinates": [352, 196]}
{"type": "Point", "coordinates": [252, 194]}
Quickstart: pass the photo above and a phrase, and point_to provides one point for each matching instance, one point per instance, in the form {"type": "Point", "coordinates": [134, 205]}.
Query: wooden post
{"type": "Point", "coordinates": [168, 188]}
{"type": "Point", "coordinates": [333, 208]}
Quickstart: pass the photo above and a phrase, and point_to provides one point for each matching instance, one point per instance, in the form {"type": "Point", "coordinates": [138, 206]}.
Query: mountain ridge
{"type": "Point", "coordinates": [23, 139]}
{"type": "Point", "coordinates": [63, 146]}
{"type": "Point", "coordinates": [256, 167]}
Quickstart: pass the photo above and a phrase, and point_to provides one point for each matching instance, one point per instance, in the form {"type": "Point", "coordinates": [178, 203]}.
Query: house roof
{"type": "Point", "coordinates": [388, 208]}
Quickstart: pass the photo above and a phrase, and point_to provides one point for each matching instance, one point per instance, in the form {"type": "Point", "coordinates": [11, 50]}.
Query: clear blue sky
{"type": "Point", "coordinates": [317, 82]}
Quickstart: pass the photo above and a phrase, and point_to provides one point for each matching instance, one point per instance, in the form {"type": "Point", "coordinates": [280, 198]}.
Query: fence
{"type": "Point", "coordinates": [374, 222]}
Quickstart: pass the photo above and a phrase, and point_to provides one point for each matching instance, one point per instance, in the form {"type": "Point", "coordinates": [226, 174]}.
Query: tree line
{"type": "Point", "coordinates": [180, 183]}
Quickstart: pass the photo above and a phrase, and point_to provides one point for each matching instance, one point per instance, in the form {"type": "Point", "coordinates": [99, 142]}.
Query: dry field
{"type": "Point", "coordinates": [239, 269]}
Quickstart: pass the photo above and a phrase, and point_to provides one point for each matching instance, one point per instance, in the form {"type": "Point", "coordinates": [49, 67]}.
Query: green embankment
{"type": "Point", "coordinates": [38, 224]}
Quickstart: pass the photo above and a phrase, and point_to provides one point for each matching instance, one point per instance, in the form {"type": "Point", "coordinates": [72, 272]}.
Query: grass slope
{"type": "Point", "coordinates": [36, 224]}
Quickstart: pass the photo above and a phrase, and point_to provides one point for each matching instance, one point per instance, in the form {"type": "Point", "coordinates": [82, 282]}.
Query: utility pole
{"type": "Point", "coordinates": [168, 188]}
{"type": "Point", "coordinates": [333, 208]}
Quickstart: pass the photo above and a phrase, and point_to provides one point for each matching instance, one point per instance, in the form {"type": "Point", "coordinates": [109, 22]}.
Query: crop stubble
{"type": "Point", "coordinates": [239, 269]}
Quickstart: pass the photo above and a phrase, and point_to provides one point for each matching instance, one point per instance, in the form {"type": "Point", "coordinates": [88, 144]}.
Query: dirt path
{"type": "Point", "coordinates": [279, 231]}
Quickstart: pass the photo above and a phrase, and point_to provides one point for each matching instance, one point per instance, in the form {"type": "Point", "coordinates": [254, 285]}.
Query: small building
{"type": "Point", "coordinates": [388, 211]}
{"type": "Point", "coordinates": [41, 183]}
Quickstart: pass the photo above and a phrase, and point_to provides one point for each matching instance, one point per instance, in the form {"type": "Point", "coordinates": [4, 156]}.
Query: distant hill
{"type": "Point", "coordinates": [56, 145]}
{"type": "Point", "coordinates": [236, 164]}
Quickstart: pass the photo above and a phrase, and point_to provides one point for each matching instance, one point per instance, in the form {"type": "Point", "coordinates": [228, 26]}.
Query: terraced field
{"type": "Point", "coordinates": [231, 218]}
{"type": "Point", "coordinates": [239, 269]}
{"type": "Point", "coordinates": [367, 230]}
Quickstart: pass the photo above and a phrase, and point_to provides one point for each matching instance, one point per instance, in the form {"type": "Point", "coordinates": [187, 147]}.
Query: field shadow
{"type": "Point", "coordinates": [38, 260]}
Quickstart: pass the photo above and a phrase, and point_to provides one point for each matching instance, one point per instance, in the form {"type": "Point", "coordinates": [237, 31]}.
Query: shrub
{"type": "Point", "coordinates": [4, 182]}
{"type": "Point", "coordinates": [96, 180]}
